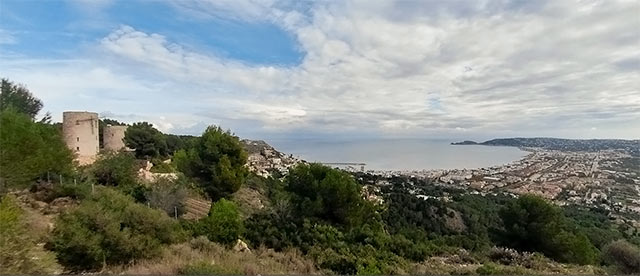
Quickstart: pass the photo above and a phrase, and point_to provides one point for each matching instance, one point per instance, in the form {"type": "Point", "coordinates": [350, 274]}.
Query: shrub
{"type": "Point", "coordinates": [168, 195]}
{"type": "Point", "coordinates": [358, 259]}
{"type": "Point", "coordinates": [118, 169]}
{"type": "Point", "coordinates": [110, 228]}
{"type": "Point", "coordinates": [624, 255]}
{"type": "Point", "coordinates": [162, 167]}
{"type": "Point", "coordinates": [273, 229]}
{"type": "Point", "coordinates": [533, 224]}
{"type": "Point", "coordinates": [78, 191]}
{"type": "Point", "coordinates": [19, 253]}
{"type": "Point", "coordinates": [223, 224]}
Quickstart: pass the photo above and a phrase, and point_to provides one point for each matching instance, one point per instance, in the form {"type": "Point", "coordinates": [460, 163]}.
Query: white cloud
{"type": "Point", "coordinates": [558, 68]}
{"type": "Point", "coordinates": [7, 37]}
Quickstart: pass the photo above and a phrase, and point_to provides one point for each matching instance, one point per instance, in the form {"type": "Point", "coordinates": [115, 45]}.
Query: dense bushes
{"type": "Point", "coordinates": [533, 224]}
{"type": "Point", "coordinates": [313, 207]}
{"type": "Point", "coordinates": [321, 211]}
{"type": "Point", "coordinates": [331, 195]}
{"type": "Point", "coordinates": [115, 169]}
{"type": "Point", "coordinates": [110, 228]}
{"type": "Point", "coordinates": [223, 224]}
{"type": "Point", "coordinates": [118, 169]}
{"type": "Point", "coordinates": [623, 255]}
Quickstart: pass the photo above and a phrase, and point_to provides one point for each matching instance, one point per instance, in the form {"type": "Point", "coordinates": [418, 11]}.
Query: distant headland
{"type": "Point", "coordinates": [633, 146]}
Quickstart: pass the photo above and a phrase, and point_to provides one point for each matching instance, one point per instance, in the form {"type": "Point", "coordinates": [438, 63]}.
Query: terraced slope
{"type": "Point", "coordinates": [196, 208]}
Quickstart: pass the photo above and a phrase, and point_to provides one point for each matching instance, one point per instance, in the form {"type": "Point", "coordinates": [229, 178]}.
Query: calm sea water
{"type": "Point", "coordinates": [400, 154]}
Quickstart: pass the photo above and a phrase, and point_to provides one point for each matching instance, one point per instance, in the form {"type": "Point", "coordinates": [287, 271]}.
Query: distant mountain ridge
{"type": "Point", "coordinates": [633, 146]}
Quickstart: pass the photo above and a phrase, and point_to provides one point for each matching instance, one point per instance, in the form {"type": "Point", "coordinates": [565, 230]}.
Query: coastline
{"type": "Point", "coordinates": [429, 173]}
{"type": "Point", "coordinates": [402, 155]}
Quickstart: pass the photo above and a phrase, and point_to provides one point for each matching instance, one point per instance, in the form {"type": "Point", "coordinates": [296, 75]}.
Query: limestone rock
{"type": "Point", "coordinates": [241, 246]}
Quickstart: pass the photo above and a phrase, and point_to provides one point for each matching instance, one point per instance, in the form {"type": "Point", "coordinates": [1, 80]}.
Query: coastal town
{"type": "Point", "coordinates": [606, 177]}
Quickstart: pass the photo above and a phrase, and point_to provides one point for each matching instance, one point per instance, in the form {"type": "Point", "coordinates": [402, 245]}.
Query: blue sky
{"type": "Point", "coordinates": [65, 26]}
{"type": "Point", "coordinates": [328, 69]}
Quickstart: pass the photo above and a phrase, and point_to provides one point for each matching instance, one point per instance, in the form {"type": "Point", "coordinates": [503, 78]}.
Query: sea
{"type": "Point", "coordinates": [399, 154]}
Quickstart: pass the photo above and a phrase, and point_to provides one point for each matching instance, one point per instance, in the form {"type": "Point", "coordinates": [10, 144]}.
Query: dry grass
{"type": "Point", "coordinates": [202, 255]}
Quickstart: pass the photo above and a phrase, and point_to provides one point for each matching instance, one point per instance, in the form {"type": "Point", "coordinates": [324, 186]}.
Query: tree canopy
{"type": "Point", "coordinates": [29, 150]}
{"type": "Point", "coordinates": [533, 224]}
{"type": "Point", "coordinates": [147, 141]}
{"type": "Point", "coordinates": [325, 193]}
{"type": "Point", "coordinates": [19, 98]}
{"type": "Point", "coordinates": [216, 160]}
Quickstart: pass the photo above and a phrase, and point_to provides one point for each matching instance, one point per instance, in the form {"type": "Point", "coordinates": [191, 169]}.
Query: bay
{"type": "Point", "coordinates": [399, 154]}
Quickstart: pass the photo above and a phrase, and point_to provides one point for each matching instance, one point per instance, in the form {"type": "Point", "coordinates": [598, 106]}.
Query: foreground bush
{"type": "Point", "coordinates": [118, 169]}
{"type": "Point", "coordinates": [19, 253]}
{"type": "Point", "coordinates": [533, 224]}
{"type": "Point", "coordinates": [623, 255]}
{"type": "Point", "coordinates": [115, 169]}
{"type": "Point", "coordinates": [110, 228]}
{"type": "Point", "coordinates": [223, 224]}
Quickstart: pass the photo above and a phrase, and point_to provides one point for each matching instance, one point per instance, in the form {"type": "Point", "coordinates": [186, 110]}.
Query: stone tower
{"type": "Point", "coordinates": [80, 130]}
{"type": "Point", "coordinates": [112, 137]}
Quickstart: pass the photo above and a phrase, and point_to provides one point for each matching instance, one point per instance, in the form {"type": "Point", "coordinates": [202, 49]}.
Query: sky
{"type": "Point", "coordinates": [335, 69]}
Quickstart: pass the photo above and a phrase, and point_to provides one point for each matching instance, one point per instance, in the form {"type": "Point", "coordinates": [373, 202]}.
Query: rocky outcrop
{"type": "Point", "coordinates": [241, 246]}
{"type": "Point", "coordinates": [263, 159]}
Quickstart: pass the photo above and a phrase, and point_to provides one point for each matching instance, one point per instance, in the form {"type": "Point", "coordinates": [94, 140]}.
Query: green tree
{"type": "Point", "coordinates": [223, 224]}
{"type": "Point", "coordinates": [29, 150]}
{"type": "Point", "coordinates": [533, 224]}
{"type": "Point", "coordinates": [116, 169]}
{"type": "Point", "coordinates": [217, 162]}
{"type": "Point", "coordinates": [174, 143]}
{"type": "Point", "coordinates": [147, 141]}
{"type": "Point", "coordinates": [110, 228]}
{"type": "Point", "coordinates": [19, 98]}
{"type": "Point", "coordinates": [329, 194]}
